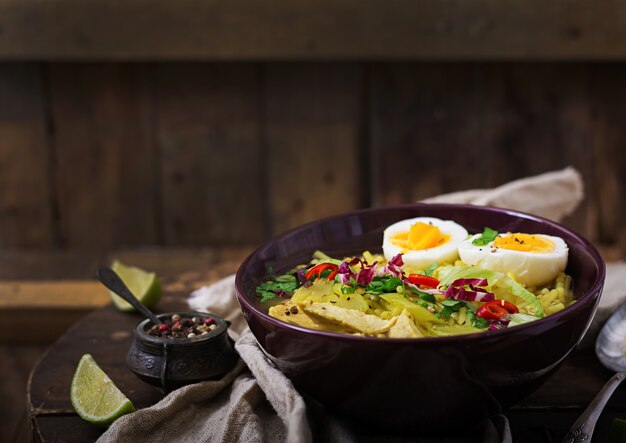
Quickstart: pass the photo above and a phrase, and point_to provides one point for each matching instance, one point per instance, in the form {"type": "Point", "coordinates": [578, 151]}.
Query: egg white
{"type": "Point", "coordinates": [420, 259]}
{"type": "Point", "coordinates": [529, 268]}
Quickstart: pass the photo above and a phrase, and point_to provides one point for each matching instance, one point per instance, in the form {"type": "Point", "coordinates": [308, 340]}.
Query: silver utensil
{"type": "Point", "coordinates": [610, 349]}
{"type": "Point", "coordinates": [111, 280]}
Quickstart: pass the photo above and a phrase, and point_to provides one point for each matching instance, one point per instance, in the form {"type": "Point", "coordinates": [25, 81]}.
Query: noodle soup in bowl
{"type": "Point", "coordinates": [417, 385]}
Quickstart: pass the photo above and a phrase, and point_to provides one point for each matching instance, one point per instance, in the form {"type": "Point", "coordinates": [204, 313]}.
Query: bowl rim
{"type": "Point", "coordinates": [596, 288]}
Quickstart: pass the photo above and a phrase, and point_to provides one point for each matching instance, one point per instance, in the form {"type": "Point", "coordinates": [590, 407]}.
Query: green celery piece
{"type": "Point", "coordinates": [447, 330]}
{"type": "Point", "coordinates": [520, 319]}
{"type": "Point", "coordinates": [320, 257]}
{"type": "Point", "coordinates": [420, 313]}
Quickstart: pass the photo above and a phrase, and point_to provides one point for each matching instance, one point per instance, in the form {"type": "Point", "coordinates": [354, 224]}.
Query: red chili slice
{"type": "Point", "coordinates": [496, 309]}
{"type": "Point", "coordinates": [423, 280]}
{"type": "Point", "coordinates": [318, 269]}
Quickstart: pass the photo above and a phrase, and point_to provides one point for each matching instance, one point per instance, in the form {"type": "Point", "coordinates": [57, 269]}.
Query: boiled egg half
{"type": "Point", "coordinates": [534, 259]}
{"type": "Point", "coordinates": [423, 241]}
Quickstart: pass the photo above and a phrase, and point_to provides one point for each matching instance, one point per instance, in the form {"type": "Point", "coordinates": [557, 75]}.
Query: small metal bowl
{"type": "Point", "coordinates": [174, 362]}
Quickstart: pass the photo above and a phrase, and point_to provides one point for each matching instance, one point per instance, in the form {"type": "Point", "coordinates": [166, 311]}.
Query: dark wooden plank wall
{"type": "Point", "coordinates": [99, 155]}
{"type": "Point", "coordinates": [213, 30]}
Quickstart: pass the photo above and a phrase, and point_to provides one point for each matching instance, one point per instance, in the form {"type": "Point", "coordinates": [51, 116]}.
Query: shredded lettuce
{"type": "Point", "coordinates": [503, 287]}
{"type": "Point", "coordinates": [520, 319]}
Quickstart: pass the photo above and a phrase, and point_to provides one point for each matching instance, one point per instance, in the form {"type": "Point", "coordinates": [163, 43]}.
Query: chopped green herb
{"type": "Point", "coordinates": [430, 269]}
{"type": "Point", "coordinates": [350, 287]}
{"type": "Point", "coordinates": [423, 295]}
{"type": "Point", "coordinates": [345, 289]}
{"type": "Point", "coordinates": [450, 306]}
{"type": "Point", "coordinates": [325, 273]}
{"type": "Point", "coordinates": [476, 321]}
{"type": "Point", "coordinates": [427, 297]}
{"type": "Point", "coordinates": [422, 303]}
{"type": "Point", "coordinates": [487, 236]}
{"type": "Point", "coordinates": [383, 285]}
{"type": "Point", "coordinates": [271, 288]}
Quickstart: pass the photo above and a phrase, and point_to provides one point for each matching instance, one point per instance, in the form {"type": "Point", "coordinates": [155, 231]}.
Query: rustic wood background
{"type": "Point", "coordinates": [199, 125]}
{"type": "Point", "coordinates": [98, 155]}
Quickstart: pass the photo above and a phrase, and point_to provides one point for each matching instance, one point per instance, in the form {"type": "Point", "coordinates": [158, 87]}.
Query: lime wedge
{"type": "Point", "coordinates": [94, 396]}
{"type": "Point", "coordinates": [144, 285]}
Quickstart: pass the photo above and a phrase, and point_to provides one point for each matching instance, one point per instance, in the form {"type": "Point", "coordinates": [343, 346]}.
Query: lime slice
{"type": "Point", "coordinates": [94, 396]}
{"type": "Point", "coordinates": [144, 285]}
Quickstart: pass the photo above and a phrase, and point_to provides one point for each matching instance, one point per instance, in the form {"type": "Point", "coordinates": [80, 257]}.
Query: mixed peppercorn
{"type": "Point", "coordinates": [180, 327]}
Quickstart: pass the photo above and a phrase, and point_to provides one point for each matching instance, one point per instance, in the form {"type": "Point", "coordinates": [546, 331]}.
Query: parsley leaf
{"type": "Point", "coordinates": [487, 236]}
{"type": "Point", "coordinates": [422, 303]}
{"type": "Point", "coordinates": [283, 283]}
{"type": "Point", "coordinates": [350, 287]}
{"type": "Point", "coordinates": [430, 269]}
{"type": "Point", "coordinates": [450, 306]}
{"type": "Point", "coordinates": [476, 321]}
{"type": "Point", "coordinates": [422, 295]}
{"type": "Point", "coordinates": [383, 285]}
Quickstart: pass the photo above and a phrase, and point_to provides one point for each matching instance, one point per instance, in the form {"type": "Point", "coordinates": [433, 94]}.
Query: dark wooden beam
{"type": "Point", "coordinates": [311, 29]}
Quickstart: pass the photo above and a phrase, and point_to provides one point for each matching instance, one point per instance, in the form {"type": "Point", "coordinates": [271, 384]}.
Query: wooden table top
{"type": "Point", "coordinates": [544, 416]}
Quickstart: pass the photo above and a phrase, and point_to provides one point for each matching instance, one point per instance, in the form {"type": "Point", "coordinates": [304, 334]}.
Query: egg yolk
{"type": "Point", "coordinates": [420, 236]}
{"type": "Point", "coordinates": [524, 243]}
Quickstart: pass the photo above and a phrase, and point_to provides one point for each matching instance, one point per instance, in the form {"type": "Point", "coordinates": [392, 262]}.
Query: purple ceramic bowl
{"type": "Point", "coordinates": [417, 385]}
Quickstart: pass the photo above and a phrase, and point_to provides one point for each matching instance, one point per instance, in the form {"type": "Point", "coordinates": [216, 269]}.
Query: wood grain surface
{"type": "Point", "coordinates": [43, 293]}
{"type": "Point", "coordinates": [312, 30]}
{"type": "Point", "coordinates": [97, 156]}
{"type": "Point", "coordinates": [26, 205]}
{"type": "Point", "coordinates": [482, 125]}
{"type": "Point", "coordinates": [314, 118]}
{"type": "Point", "coordinates": [105, 162]}
{"type": "Point", "coordinates": [208, 134]}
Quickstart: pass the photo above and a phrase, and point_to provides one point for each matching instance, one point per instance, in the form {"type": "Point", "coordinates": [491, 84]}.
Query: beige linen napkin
{"type": "Point", "coordinates": [552, 195]}
{"type": "Point", "coordinates": [255, 402]}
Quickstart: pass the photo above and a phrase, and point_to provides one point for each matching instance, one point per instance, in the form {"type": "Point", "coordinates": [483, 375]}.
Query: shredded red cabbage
{"type": "Point", "coordinates": [345, 273]}
{"type": "Point", "coordinates": [366, 274]}
{"type": "Point", "coordinates": [408, 283]}
{"type": "Point", "coordinates": [394, 267]}
{"type": "Point", "coordinates": [355, 261]}
{"type": "Point", "coordinates": [432, 291]}
{"type": "Point", "coordinates": [301, 275]}
{"type": "Point", "coordinates": [457, 293]}
{"type": "Point", "coordinates": [469, 282]}
{"type": "Point", "coordinates": [498, 324]}
{"type": "Point", "coordinates": [456, 290]}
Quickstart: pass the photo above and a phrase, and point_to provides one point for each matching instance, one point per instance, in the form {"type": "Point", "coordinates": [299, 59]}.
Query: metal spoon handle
{"type": "Point", "coordinates": [111, 280]}
{"type": "Point", "coordinates": [582, 430]}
